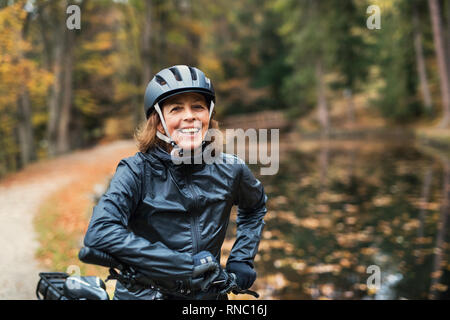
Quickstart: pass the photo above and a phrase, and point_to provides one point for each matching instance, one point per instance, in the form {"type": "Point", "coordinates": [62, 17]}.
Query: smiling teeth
{"type": "Point", "coordinates": [190, 130]}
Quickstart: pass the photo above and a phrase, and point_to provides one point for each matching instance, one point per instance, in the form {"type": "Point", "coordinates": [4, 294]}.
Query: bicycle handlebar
{"type": "Point", "coordinates": [97, 257]}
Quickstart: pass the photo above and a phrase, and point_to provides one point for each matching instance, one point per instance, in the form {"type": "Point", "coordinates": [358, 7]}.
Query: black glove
{"type": "Point", "coordinates": [245, 275]}
{"type": "Point", "coordinates": [206, 270]}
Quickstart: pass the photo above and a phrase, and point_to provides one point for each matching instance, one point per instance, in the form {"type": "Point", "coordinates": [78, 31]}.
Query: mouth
{"type": "Point", "coordinates": [189, 131]}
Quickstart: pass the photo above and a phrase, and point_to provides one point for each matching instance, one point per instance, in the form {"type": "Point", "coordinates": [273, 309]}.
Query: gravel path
{"type": "Point", "coordinates": [20, 197]}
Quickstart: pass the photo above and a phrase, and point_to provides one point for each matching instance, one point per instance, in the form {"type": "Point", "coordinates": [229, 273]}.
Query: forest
{"type": "Point", "coordinates": [63, 89]}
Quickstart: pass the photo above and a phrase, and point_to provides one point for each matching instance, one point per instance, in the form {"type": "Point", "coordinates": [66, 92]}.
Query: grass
{"type": "Point", "coordinates": [63, 217]}
{"type": "Point", "coordinates": [60, 234]}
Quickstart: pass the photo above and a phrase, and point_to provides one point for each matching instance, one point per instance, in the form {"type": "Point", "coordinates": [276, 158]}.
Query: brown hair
{"type": "Point", "coordinates": [145, 134]}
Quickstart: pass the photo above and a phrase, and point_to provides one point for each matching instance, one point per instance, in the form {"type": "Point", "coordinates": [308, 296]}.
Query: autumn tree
{"type": "Point", "coordinates": [438, 36]}
{"type": "Point", "coordinates": [22, 81]}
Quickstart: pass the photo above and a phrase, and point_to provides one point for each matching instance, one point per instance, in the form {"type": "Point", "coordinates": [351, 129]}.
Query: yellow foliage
{"type": "Point", "coordinates": [102, 42]}
{"type": "Point", "coordinates": [98, 65]}
{"type": "Point", "coordinates": [16, 71]}
{"type": "Point", "coordinates": [86, 103]}
{"type": "Point", "coordinates": [211, 65]}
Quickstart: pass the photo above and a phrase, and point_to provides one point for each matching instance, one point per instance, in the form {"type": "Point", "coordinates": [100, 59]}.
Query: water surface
{"type": "Point", "coordinates": [340, 210]}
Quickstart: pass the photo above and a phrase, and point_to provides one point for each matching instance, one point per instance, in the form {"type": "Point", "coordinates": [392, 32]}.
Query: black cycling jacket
{"type": "Point", "coordinates": [156, 214]}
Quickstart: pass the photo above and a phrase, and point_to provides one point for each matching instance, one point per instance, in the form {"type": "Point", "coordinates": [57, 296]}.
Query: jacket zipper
{"type": "Point", "coordinates": [194, 216]}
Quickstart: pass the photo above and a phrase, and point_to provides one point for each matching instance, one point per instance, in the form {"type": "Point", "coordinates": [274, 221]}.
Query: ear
{"type": "Point", "coordinates": [160, 128]}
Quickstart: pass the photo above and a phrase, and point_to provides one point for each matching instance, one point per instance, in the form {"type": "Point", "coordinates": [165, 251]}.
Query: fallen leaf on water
{"type": "Point", "coordinates": [382, 201]}
{"type": "Point", "coordinates": [369, 251]}
{"type": "Point", "coordinates": [314, 223]}
{"type": "Point", "coordinates": [324, 268]}
{"type": "Point", "coordinates": [439, 287]}
{"type": "Point", "coordinates": [327, 289]}
{"type": "Point", "coordinates": [351, 239]}
{"type": "Point", "coordinates": [410, 225]}
{"type": "Point", "coordinates": [371, 290]}
{"type": "Point", "coordinates": [350, 220]}
{"type": "Point", "coordinates": [350, 208]}
{"type": "Point", "coordinates": [361, 269]}
{"type": "Point", "coordinates": [323, 208]}
{"type": "Point", "coordinates": [348, 294]}
{"type": "Point", "coordinates": [267, 234]}
{"type": "Point", "coordinates": [423, 240]}
{"type": "Point", "coordinates": [280, 200]}
{"type": "Point", "coordinates": [345, 263]}
{"type": "Point", "coordinates": [436, 274]}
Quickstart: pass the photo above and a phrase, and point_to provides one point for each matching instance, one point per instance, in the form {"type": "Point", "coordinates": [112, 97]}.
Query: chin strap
{"type": "Point", "coordinates": [163, 137]}
{"type": "Point", "coordinates": [167, 138]}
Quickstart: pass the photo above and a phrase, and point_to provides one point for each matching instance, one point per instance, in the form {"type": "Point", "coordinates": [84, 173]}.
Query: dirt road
{"type": "Point", "coordinates": [20, 197]}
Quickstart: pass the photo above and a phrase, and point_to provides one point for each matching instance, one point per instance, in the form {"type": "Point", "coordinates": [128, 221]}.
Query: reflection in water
{"type": "Point", "coordinates": [387, 291]}
{"type": "Point", "coordinates": [438, 262]}
{"type": "Point", "coordinates": [424, 199]}
{"type": "Point", "coordinates": [336, 210]}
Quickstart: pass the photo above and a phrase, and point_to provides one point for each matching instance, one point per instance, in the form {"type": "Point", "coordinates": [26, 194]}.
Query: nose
{"type": "Point", "coordinates": [188, 114]}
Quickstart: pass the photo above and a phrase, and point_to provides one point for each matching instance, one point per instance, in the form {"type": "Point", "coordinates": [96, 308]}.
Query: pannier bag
{"type": "Point", "coordinates": [59, 286]}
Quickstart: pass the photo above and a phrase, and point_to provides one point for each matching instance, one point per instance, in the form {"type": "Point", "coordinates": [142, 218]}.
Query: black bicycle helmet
{"type": "Point", "coordinates": [174, 80]}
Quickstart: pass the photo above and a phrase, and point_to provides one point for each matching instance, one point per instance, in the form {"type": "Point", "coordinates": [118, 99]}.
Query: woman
{"type": "Point", "coordinates": [167, 218]}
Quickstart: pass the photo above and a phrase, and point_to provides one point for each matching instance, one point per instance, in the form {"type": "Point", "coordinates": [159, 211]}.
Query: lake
{"type": "Point", "coordinates": [355, 220]}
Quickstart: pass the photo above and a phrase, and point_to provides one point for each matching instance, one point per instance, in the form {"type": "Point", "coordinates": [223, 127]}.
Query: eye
{"type": "Point", "coordinates": [175, 109]}
{"type": "Point", "coordinates": [198, 106]}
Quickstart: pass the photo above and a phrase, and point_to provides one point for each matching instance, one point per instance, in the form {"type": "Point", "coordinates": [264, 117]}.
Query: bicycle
{"type": "Point", "coordinates": [61, 286]}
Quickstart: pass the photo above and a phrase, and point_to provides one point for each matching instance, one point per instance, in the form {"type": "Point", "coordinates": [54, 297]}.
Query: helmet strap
{"type": "Point", "coordinates": [211, 108]}
{"type": "Point", "coordinates": [166, 138]}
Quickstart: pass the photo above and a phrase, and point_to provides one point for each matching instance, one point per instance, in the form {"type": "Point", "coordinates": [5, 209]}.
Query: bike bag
{"type": "Point", "coordinates": [59, 286]}
{"type": "Point", "coordinates": [51, 286]}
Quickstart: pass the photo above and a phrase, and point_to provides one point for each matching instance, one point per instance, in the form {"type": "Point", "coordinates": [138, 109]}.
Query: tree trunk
{"type": "Point", "coordinates": [145, 54]}
{"type": "Point", "coordinates": [324, 159]}
{"type": "Point", "coordinates": [447, 41]}
{"type": "Point", "coordinates": [43, 26]}
{"type": "Point", "coordinates": [321, 99]}
{"type": "Point", "coordinates": [60, 57]}
{"type": "Point", "coordinates": [24, 114]}
{"type": "Point", "coordinates": [63, 136]}
{"type": "Point", "coordinates": [187, 10]}
{"type": "Point", "coordinates": [163, 26]}
{"type": "Point", "coordinates": [442, 65]}
{"type": "Point", "coordinates": [420, 60]}
{"type": "Point", "coordinates": [54, 112]}
{"type": "Point", "coordinates": [424, 199]}
{"type": "Point", "coordinates": [439, 249]}
{"type": "Point", "coordinates": [25, 128]}
{"type": "Point", "coordinates": [348, 94]}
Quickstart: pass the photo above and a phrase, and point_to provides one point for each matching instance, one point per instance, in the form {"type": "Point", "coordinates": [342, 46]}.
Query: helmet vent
{"type": "Point", "coordinates": [176, 73]}
{"type": "Point", "coordinates": [161, 80]}
{"type": "Point", "coordinates": [193, 74]}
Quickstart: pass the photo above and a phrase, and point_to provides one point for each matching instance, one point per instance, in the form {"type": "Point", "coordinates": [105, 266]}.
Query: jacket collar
{"type": "Point", "coordinates": [166, 159]}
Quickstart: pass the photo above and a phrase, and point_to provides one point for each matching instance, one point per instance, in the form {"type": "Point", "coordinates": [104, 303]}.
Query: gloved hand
{"type": "Point", "coordinates": [245, 275]}
{"type": "Point", "coordinates": [206, 269]}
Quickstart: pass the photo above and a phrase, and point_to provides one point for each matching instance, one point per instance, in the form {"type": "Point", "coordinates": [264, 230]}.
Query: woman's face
{"type": "Point", "coordinates": [187, 119]}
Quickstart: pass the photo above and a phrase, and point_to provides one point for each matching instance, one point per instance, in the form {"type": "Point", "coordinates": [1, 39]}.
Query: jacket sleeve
{"type": "Point", "coordinates": [251, 201]}
{"type": "Point", "coordinates": [108, 231]}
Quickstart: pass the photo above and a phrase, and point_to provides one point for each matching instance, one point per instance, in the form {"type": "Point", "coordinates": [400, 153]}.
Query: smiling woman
{"type": "Point", "coordinates": [169, 219]}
